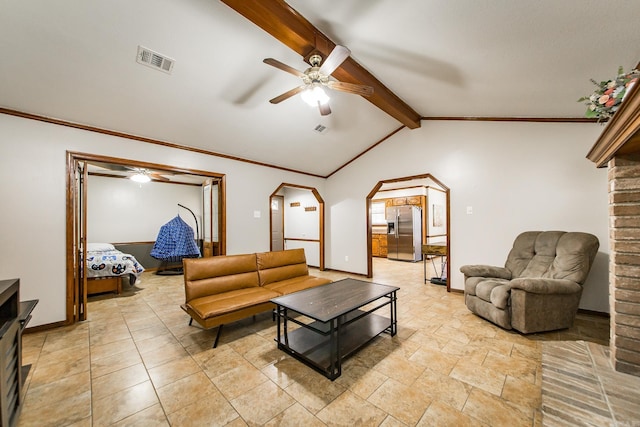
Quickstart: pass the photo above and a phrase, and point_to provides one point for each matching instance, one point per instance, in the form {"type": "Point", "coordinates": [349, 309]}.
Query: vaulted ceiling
{"type": "Point", "coordinates": [75, 61]}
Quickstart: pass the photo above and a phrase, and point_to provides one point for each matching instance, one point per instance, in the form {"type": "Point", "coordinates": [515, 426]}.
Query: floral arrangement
{"type": "Point", "coordinates": [606, 99]}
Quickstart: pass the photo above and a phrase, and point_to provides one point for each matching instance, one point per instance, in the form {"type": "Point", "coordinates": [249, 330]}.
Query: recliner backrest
{"type": "Point", "coordinates": [552, 254]}
{"type": "Point", "coordinates": [574, 257]}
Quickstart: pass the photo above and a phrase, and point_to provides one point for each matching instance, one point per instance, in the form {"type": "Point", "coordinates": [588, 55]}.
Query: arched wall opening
{"type": "Point", "coordinates": [296, 218]}
{"type": "Point", "coordinates": [424, 191]}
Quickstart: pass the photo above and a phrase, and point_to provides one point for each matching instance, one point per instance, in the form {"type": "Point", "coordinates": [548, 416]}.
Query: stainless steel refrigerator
{"type": "Point", "coordinates": [404, 233]}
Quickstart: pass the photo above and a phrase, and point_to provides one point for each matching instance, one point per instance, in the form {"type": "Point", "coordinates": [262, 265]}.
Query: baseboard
{"type": "Point", "coordinates": [345, 272]}
{"type": "Point", "coordinates": [594, 313]}
{"type": "Point", "coordinates": [44, 327]}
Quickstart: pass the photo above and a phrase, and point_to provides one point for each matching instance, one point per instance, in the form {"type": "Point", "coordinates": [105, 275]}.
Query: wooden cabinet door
{"type": "Point", "coordinates": [383, 245]}
{"type": "Point", "coordinates": [399, 201]}
{"type": "Point", "coordinates": [375, 245]}
{"type": "Point", "coordinates": [414, 200]}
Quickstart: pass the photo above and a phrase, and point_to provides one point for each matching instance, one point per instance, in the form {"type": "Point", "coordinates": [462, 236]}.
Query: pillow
{"type": "Point", "coordinates": [100, 247]}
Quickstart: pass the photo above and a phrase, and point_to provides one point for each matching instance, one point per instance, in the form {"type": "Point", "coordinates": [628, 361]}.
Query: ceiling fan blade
{"type": "Point", "coordinates": [351, 88]}
{"type": "Point", "coordinates": [284, 67]}
{"type": "Point", "coordinates": [288, 94]}
{"type": "Point", "coordinates": [158, 177]}
{"type": "Point", "coordinates": [335, 58]}
{"type": "Point", "coordinates": [113, 166]}
{"type": "Point", "coordinates": [324, 109]}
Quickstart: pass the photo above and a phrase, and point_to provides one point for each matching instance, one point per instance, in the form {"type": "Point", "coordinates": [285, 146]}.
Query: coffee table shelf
{"type": "Point", "coordinates": [316, 347]}
{"type": "Point", "coordinates": [340, 322]}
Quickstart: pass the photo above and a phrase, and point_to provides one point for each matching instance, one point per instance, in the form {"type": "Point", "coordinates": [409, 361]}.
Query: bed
{"type": "Point", "coordinates": [107, 266]}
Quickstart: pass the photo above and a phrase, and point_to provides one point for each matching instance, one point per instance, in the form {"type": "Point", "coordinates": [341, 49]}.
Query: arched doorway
{"type": "Point", "coordinates": [305, 219]}
{"type": "Point", "coordinates": [436, 215]}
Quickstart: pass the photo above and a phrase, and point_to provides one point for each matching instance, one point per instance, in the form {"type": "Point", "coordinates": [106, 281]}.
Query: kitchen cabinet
{"type": "Point", "coordinates": [415, 200]}
{"type": "Point", "coordinates": [379, 245]}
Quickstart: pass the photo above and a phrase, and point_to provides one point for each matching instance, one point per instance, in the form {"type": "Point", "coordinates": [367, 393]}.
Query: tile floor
{"type": "Point", "coordinates": [137, 362]}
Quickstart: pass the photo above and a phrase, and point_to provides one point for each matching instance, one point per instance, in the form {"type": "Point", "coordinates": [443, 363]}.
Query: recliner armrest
{"type": "Point", "coordinates": [538, 285]}
{"type": "Point", "coordinates": [485, 271]}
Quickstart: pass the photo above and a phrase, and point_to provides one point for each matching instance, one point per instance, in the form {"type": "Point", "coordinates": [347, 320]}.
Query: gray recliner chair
{"type": "Point", "coordinates": [540, 286]}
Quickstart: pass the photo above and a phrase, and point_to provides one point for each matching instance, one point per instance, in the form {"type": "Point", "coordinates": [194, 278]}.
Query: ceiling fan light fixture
{"type": "Point", "coordinates": [315, 95]}
{"type": "Point", "coordinates": [140, 177]}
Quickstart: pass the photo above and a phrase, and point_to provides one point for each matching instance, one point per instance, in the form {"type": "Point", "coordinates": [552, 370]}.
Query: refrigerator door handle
{"type": "Point", "coordinates": [397, 224]}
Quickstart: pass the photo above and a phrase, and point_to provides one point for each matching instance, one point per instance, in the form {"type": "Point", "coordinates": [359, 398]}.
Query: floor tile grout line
{"type": "Point", "coordinates": [605, 395]}
{"type": "Point", "coordinates": [161, 301]}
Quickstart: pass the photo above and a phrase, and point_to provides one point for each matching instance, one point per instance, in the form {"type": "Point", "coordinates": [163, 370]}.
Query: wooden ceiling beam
{"type": "Point", "coordinates": [292, 29]}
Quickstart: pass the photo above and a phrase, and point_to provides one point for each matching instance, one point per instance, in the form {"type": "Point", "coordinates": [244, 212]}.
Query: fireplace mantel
{"type": "Point", "coordinates": [622, 134]}
{"type": "Point", "coordinates": [618, 148]}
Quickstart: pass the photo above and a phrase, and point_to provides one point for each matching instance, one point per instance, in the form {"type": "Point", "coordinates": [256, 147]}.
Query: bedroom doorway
{"type": "Point", "coordinates": [424, 193]}
{"type": "Point", "coordinates": [83, 169]}
{"type": "Point", "coordinates": [296, 218]}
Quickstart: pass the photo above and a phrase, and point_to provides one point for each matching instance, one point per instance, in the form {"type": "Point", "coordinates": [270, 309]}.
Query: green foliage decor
{"type": "Point", "coordinates": [608, 96]}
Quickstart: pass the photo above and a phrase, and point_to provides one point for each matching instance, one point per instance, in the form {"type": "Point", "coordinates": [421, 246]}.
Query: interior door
{"type": "Point", "coordinates": [277, 223]}
{"type": "Point", "coordinates": [405, 233]}
{"type": "Point", "coordinates": [210, 218]}
{"type": "Point", "coordinates": [80, 242]}
{"type": "Point", "coordinates": [392, 232]}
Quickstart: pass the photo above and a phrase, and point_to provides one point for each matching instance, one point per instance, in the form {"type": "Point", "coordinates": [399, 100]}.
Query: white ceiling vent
{"type": "Point", "coordinates": [321, 129]}
{"type": "Point", "coordinates": [154, 60]}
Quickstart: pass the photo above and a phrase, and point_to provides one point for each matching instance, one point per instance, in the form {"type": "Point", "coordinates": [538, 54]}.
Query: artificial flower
{"type": "Point", "coordinates": [606, 99]}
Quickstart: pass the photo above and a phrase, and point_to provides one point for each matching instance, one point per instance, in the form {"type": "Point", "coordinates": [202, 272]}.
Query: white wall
{"type": "Point", "coordinates": [120, 210]}
{"type": "Point", "coordinates": [515, 176]}
{"type": "Point", "coordinates": [439, 199]}
{"type": "Point", "coordinates": [301, 224]}
{"type": "Point", "coordinates": [33, 193]}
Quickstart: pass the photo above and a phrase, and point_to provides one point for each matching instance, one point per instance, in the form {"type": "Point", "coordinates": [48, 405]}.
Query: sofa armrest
{"type": "Point", "coordinates": [485, 271]}
{"type": "Point", "coordinates": [537, 285]}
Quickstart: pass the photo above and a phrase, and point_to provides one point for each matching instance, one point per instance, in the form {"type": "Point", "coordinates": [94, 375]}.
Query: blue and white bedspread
{"type": "Point", "coordinates": [111, 262]}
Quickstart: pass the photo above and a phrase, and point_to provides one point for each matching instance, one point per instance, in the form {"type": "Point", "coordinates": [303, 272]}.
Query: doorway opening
{"type": "Point", "coordinates": [296, 217]}
{"type": "Point", "coordinates": [423, 194]}
{"type": "Point", "coordinates": [85, 171]}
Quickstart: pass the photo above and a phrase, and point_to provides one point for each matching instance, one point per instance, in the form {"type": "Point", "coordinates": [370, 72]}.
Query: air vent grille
{"type": "Point", "coordinates": [321, 129]}
{"type": "Point", "coordinates": [154, 60]}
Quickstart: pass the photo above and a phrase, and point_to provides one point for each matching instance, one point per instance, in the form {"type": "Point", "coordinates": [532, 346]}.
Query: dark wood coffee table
{"type": "Point", "coordinates": [339, 324]}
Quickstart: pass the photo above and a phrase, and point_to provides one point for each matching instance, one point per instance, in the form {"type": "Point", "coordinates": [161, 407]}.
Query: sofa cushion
{"type": "Point", "coordinates": [215, 275]}
{"type": "Point", "coordinates": [215, 305]}
{"type": "Point", "coordinates": [296, 284]}
{"type": "Point", "coordinates": [521, 252]}
{"type": "Point", "coordinates": [544, 253]}
{"type": "Point", "coordinates": [471, 283]}
{"type": "Point", "coordinates": [495, 291]}
{"type": "Point", "coordinates": [574, 255]}
{"type": "Point", "coordinates": [281, 265]}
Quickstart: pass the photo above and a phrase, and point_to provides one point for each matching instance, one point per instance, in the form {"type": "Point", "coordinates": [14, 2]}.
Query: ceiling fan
{"type": "Point", "coordinates": [316, 78]}
{"type": "Point", "coordinates": [146, 175]}
{"type": "Point", "coordinates": [135, 173]}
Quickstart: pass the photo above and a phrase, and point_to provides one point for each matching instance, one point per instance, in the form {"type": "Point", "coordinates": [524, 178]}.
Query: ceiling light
{"type": "Point", "coordinates": [314, 95]}
{"type": "Point", "coordinates": [140, 177]}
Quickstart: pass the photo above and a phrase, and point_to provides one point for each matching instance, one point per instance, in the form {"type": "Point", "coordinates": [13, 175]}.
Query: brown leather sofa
{"type": "Point", "coordinates": [223, 289]}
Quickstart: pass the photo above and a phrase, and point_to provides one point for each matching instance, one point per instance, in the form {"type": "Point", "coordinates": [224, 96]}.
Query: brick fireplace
{"type": "Point", "coordinates": [624, 263]}
{"type": "Point", "coordinates": [618, 148]}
